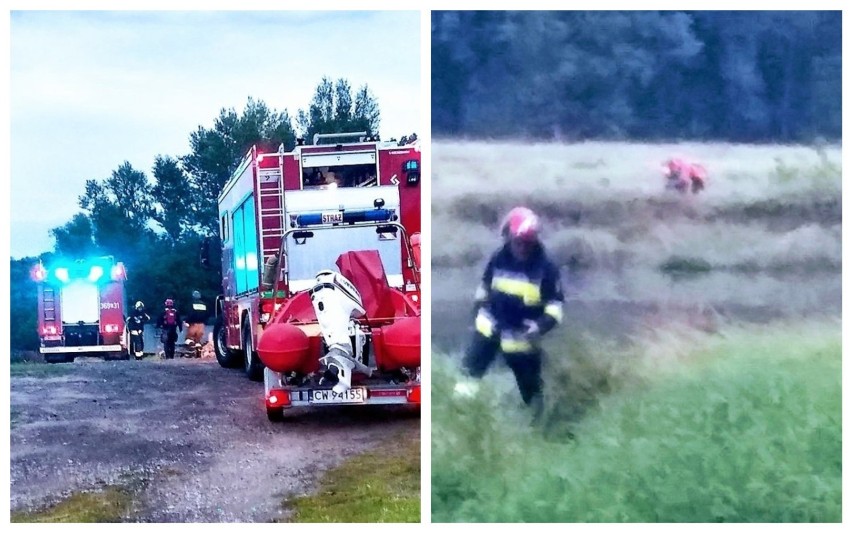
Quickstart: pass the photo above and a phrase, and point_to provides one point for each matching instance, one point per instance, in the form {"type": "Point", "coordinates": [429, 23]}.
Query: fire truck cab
{"type": "Point", "coordinates": [81, 309]}
{"type": "Point", "coordinates": [285, 217]}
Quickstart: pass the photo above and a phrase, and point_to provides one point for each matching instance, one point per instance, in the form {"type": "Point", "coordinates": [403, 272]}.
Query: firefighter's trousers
{"type": "Point", "coordinates": [169, 339]}
{"type": "Point", "coordinates": [195, 333]}
{"type": "Point", "coordinates": [137, 342]}
{"type": "Point", "coordinates": [524, 359]}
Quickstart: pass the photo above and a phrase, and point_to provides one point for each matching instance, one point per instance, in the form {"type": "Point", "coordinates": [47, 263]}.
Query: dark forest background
{"type": "Point", "coordinates": [745, 76]}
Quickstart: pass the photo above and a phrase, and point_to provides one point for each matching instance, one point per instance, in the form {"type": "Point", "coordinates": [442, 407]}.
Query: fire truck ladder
{"type": "Point", "coordinates": [49, 305]}
{"type": "Point", "coordinates": [271, 199]}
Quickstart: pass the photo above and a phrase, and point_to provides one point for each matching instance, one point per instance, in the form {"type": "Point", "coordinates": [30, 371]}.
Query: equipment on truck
{"type": "Point", "coordinates": [317, 336]}
{"type": "Point", "coordinates": [81, 309]}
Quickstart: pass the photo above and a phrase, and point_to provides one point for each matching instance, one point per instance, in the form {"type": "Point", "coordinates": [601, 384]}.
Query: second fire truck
{"type": "Point", "coordinates": [321, 274]}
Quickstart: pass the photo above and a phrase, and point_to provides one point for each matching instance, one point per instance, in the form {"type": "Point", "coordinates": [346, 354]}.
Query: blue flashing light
{"type": "Point", "coordinates": [95, 273]}
{"type": "Point", "coordinates": [343, 217]}
{"type": "Point", "coordinates": [96, 270]}
{"type": "Point", "coordinates": [61, 274]}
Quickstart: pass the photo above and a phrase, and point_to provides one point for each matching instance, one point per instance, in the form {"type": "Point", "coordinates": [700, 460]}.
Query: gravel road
{"type": "Point", "coordinates": [189, 437]}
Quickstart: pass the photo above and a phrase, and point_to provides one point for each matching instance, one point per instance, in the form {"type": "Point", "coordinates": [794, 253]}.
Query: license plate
{"type": "Point", "coordinates": [356, 395]}
{"type": "Point", "coordinates": [332, 218]}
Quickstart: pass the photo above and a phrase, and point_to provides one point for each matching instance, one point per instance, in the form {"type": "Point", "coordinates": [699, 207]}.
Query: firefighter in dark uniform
{"type": "Point", "coordinates": [169, 323]}
{"type": "Point", "coordinates": [195, 320]}
{"type": "Point", "coordinates": [520, 300]}
{"type": "Point", "coordinates": [136, 327]}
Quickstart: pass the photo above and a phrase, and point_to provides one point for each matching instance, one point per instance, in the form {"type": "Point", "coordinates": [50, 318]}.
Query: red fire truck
{"type": "Point", "coordinates": [81, 309]}
{"type": "Point", "coordinates": [286, 220]}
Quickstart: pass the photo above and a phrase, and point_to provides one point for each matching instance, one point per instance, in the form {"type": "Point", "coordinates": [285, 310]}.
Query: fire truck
{"type": "Point", "coordinates": [313, 334]}
{"type": "Point", "coordinates": [81, 309]}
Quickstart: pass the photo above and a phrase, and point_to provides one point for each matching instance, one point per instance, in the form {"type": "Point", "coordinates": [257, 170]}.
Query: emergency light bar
{"type": "Point", "coordinates": [92, 271]}
{"type": "Point", "coordinates": [354, 216]}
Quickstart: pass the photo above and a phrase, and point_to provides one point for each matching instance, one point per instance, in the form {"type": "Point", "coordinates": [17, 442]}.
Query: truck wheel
{"type": "Point", "coordinates": [253, 364]}
{"type": "Point", "coordinates": [275, 415]}
{"type": "Point", "coordinates": [123, 355]}
{"type": "Point", "coordinates": [227, 358]}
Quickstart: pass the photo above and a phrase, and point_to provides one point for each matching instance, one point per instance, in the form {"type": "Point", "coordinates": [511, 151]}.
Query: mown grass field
{"type": "Point", "coordinates": [765, 208]}
{"type": "Point", "coordinates": [697, 377]}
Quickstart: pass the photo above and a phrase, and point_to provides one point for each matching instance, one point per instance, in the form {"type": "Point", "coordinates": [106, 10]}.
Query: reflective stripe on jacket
{"type": "Point", "coordinates": [512, 292]}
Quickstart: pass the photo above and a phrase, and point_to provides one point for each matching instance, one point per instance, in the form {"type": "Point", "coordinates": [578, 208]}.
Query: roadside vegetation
{"type": "Point", "coordinates": [109, 505]}
{"type": "Point", "coordinates": [38, 370]}
{"type": "Point", "coordinates": [739, 426]}
{"type": "Point", "coordinates": [379, 486]}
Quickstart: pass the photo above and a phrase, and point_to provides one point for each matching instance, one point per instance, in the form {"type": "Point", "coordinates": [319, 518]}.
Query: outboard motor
{"type": "Point", "coordinates": [336, 302]}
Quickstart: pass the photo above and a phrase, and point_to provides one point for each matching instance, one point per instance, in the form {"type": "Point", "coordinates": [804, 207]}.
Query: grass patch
{"type": "Point", "coordinates": [744, 426]}
{"type": "Point", "coordinates": [685, 266]}
{"type": "Point", "coordinates": [378, 486]}
{"type": "Point", "coordinates": [38, 370]}
{"type": "Point", "coordinates": [109, 505]}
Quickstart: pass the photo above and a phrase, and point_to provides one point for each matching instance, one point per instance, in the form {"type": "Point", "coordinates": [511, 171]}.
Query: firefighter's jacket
{"type": "Point", "coordinates": [514, 292]}
{"type": "Point", "coordinates": [198, 314]}
{"type": "Point", "coordinates": [162, 320]}
{"type": "Point", "coordinates": [136, 321]}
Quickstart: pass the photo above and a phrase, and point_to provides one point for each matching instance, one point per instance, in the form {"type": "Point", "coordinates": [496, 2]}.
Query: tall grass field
{"type": "Point", "coordinates": [697, 376]}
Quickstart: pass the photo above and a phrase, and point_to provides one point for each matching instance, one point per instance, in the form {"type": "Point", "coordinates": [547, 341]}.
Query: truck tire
{"type": "Point", "coordinates": [275, 415]}
{"type": "Point", "coordinates": [54, 358]}
{"type": "Point", "coordinates": [226, 357]}
{"type": "Point", "coordinates": [253, 365]}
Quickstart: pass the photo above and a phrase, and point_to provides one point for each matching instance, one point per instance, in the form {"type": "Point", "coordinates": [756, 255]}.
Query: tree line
{"type": "Point", "coordinates": [155, 225]}
{"type": "Point", "coordinates": [744, 76]}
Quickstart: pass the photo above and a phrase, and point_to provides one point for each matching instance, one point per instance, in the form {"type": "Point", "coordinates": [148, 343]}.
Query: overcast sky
{"type": "Point", "coordinates": [90, 90]}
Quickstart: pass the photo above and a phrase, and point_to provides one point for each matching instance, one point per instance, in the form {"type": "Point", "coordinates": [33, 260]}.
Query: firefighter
{"type": "Point", "coordinates": [169, 323]}
{"type": "Point", "coordinates": [698, 175]}
{"type": "Point", "coordinates": [519, 300]}
{"type": "Point", "coordinates": [195, 324]}
{"type": "Point", "coordinates": [677, 173]}
{"type": "Point", "coordinates": [682, 176]}
{"type": "Point", "coordinates": [136, 327]}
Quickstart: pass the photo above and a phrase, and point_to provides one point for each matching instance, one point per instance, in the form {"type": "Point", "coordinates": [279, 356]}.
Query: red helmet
{"type": "Point", "coordinates": [521, 223]}
{"type": "Point", "coordinates": [170, 302]}
{"type": "Point", "coordinates": [675, 165]}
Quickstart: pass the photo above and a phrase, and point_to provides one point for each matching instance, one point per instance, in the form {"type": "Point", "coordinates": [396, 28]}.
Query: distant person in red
{"type": "Point", "coordinates": [698, 177]}
{"type": "Point", "coordinates": [683, 177]}
{"type": "Point", "coordinates": [169, 322]}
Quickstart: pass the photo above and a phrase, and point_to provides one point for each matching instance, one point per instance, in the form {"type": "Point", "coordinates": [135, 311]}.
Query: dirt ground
{"type": "Point", "coordinates": [189, 438]}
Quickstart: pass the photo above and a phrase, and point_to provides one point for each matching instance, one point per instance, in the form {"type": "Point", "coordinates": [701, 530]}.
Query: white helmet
{"type": "Point", "coordinates": [139, 306]}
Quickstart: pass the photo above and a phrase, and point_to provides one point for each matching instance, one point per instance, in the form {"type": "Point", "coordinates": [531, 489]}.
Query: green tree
{"type": "Point", "coordinates": [333, 110]}
{"type": "Point", "coordinates": [174, 196]}
{"type": "Point", "coordinates": [75, 238]}
{"type": "Point", "coordinates": [120, 209]}
{"type": "Point", "coordinates": [367, 116]}
{"type": "Point", "coordinates": [216, 152]}
{"type": "Point", "coordinates": [23, 333]}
